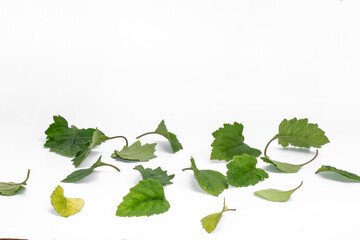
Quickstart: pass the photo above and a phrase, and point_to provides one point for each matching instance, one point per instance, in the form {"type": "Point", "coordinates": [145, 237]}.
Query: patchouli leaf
{"type": "Point", "coordinates": [65, 206]}
{"type": "Point", "coordinates": [242, 171]}
{"type": "Point", "coordinates": [229, 142]}
{"type": "Point", "coordinates": [211, 181]}
{"type": "Point", "coordinates": [210, 222]}
{"type": "Point", "coordinates": [67, 140]}
{"type": "Point", "coordinates": [174, 142]}
{"type": "Point", "coordinates": [350, 175]}
{"type": "Point", "coordinates": [284, 167]}
{"type": "Point", "coordinates": [157, 174]}
{"type": "Point", "coordinates": [136, 152]}
{"type": "Point", "coordinates": [145, 199]}
{"type": "Point", "coordinates": [275, 195]}
{"type": "Point", "coordinates": [11, 188]}
{"type": "Point", "coordinates": [300, 133]}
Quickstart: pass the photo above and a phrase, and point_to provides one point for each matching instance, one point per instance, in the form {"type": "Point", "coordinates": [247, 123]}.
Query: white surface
{"type": "Point", "coordinates": [122, 66]}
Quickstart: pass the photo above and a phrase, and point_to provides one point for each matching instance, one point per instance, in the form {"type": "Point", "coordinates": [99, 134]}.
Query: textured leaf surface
{"type": "Point", "coordinates": [97, 138]}
{"type": "Point", "coordinates": [242, 171]}
{"type": "Point", "coordinates": [229, 142]}
{"type": "Point", "coordinates": [300, 133]}
{"type": "Point", "coordinates": [284, 167]}
{"type": "Point", "coordinates": [212, 182]}
{"type": "Point", "coordinates": [67, 140]}
{"type": "Point", "coordinates": [65, 206]}
{"type": "Point", "coordinates": [145, 199]}
{"type": "Point", "coordinates": [137, 152]}
{"type": "Point", "coordinates": [325, 168]}
{"type": "Point", "coordinates": [174, 142]}
{"type": "Point", "coordinates": [11, 188]}
{"type": "Point", "coordinates": [157, 174]}
{"type": "Point", "coordinates": [275, 195]}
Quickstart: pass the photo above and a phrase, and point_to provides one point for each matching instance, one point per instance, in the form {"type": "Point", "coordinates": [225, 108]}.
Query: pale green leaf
{"type": "Point", "coordinates": [136, 152]}
{"type": "Point", "coordinates": [350, 175]}
{"type": "Point", "coordinates": [145, 199]}
{"type": "Point", "coordinates": [210, 222]}
{"type": "Point", "coordinates": [229, 142]}
{"type": "Point", "coordinates": [11, 188]}
{"type": "Point", "coordinates": [284, 167]}
{"type": "Point", "coordinates": [275, 195]}
{"type": "Point", "coordinates": [65, 206]}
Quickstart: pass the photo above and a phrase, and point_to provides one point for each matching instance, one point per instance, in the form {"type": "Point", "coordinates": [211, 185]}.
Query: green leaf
{"type": "Point", "coordinates": [210, 222]}
{"type": "Point", "coordinates": [275, 195]}
{"type": "Point", "coordinates": [157, 174]}
{"type": "Point", "coordinates": [65, 206]}
{"type": "Point", "coordinates": [136, 152]}
{"type": "Point", "coordinates": [174, 142]}
{"type": "Point", "coordinates": [229, 142]}
{"type": "Point", "coordinates": [211, 181]}
{"type": "Point", "coordinates": [11, 188]}
{"type": "Point", "coordinates": [242, 171]}
{"type": "Point", "coordinates": [81, 173]}
{"type": "Point", "coordinates": [285, 167]}
{"type": "Point", "coordinates": [350, 175]}
{"type": "Point", "coordinates": [97, 138]}
{"type": "Point", "coordinates": [145, 199]}
{"type": "Point", "coordinates": [300, 133]}
{"type": "Point", "coordinates": [67, 140]}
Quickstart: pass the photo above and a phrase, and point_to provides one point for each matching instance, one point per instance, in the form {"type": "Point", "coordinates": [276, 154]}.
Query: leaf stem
{"type": "Point", "coordinates": [316, 154]}
{"type": "Point", "coordinates": [27, 177]}
{"type": "Point", "coordinates": [267, 145]}
{"type": "Point", "coordinates": [126, 141]}
{"type": "Point", "coordinates": [145, 134]}
{"type": "Point", "coordinates": [298, 186]}
{"type": "Point", "coordinates": [107, 164]}
{"type": "Point", "coordinates": [184, 169]}
{"type": "Point", "coordinates": [229, 209]}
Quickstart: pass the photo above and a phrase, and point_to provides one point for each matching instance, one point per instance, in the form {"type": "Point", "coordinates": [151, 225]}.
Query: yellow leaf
{"type": "Point", "coordinates": [65, 206]}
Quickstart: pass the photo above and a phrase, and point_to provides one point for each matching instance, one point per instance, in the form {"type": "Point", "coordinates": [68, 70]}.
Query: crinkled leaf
{"type": "Point", "coordinates": [157, 174]}
{"type": "Point", "coordinates": [136, 152]}
{"type": "Point", "coordinates": [145, 199]}
{"type": "Point", "coordinates": [242, 171]}
{"type": "Point", "coordinates": [97, 138]}
{"type": "Point", "coordinates": [300, 133]}
{"type": "Point", "coordinates": [284, 167]}
{"type": "Point", "coordinates": [174, 142]}
{"type": "Point", "coordinates": [65, 206]}
{"type": "Point", "coordinates": [325, 168]}
{"type": "Point", "coordinates": [229, 142]}
{"type": "Point", "coordinates": [67, 140]}
{"type": "Point", "coordinates": [210, 222]}
{"type": "Point", "coordinates": [211, 181]}
{"type": "Point", "coordinates": [275, 195]}
{"type": "Point", "coordinates": [11, 188]}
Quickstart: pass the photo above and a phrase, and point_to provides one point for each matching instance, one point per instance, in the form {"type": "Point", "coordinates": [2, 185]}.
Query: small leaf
{"type": "Point", "coordinates": [284, 167]}
{"type": "Point", "coordinates": [242, 171]}
{"type": "Point", "coordinates": [210, 222]}
{"type": "Point", "coordinates": [65, 206]}
{"type": "Point", "coordinates": [229, 142]}
{"type": "Point", "coordinates": [136, 152]}
{"type": "Point", "coordinates": [300, 133]}
{"type": "Point", "coordinates": [157, 174]}
{"type": "Point", "coordinates": [350, 175]}
{"type": "Point", "coordinates": [275, 195]}
{"type": "Point", "coordinates": [145, 199]}
{"type": "Point", "coordinates": [11, 188]}
{"type": "Point", "coordinates": [174, 142]}
{"type": "Point", "coordinates": [211, 181]}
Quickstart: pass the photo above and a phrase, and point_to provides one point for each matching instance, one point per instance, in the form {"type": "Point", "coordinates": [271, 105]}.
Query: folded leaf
{"type": "Point", "coordinates": [229, 142]}
{"type": "Point", "coordinates": [157, 174]}
{"type": "Point", "coordinates": [136, 152]}
{"type": "Point", "coordinates": [145, 199]}
{"type": "Point", "coordinates": [174, 142]}
{"type": "Point", "coordinates": [275, 195]}
{"type": "Point", "coordinates": [211, 181]}
{"type": "Point", "coordinates": [11, 188]}
{"type": "Point", "coordinates": [287, 167]}
{"type": "Point", "coordinates": [210, 222]}
{"type": "Point", "coordinates": [242, 171]}
{"type": "Point", "coordinates": [65, 206]}
{"type": "Point", "coordinates": [350, 175]}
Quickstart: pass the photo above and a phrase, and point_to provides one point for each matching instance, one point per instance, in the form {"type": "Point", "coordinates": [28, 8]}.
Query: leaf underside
{"type": "Point", "coordinates": [157, 174]}
{"type": "Point", "coordinates": [325, 168]}
{"type": "Point", "coordinates": [275, 195]}
{"type": "Point", "coordinates": [136, 152]}
{"type": "Point", "coordinates": [284, 167]}
{"type": "Point", "coordinates": [174, 142]}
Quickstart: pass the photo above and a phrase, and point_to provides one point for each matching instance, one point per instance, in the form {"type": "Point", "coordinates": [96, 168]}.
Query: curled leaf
{"type": "Point", "coordinates": [11, 188]}
{"type": "Point", "coordinates": [136, 152]}
{"type": "Point", "coordinates": [157, 174]}
{"type": "Point", "coordinates": [349, 175]}
{"type": "Point", "coordinates": [210, 222]}
{"type": "Point", "coordinates": [65, 206]}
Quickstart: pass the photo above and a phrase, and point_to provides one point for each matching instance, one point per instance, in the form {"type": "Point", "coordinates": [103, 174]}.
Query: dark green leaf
{"type": "Point", "coordinates": [350, 175]}
{"type": "Point", "coordinates": [174, 142]}
{"type": "Point", "coordinates": [11, 188]}
{"type": "Point", "coordinates": [243, 172]}
{"type": "Point", "coordinates": [229, 142]}
{"type": "Point", "coordinates": [211, 181]}
{"type": "Point", "coordinates": [157, 174]}
{"type": "Point", "coordinates": [145, 199]}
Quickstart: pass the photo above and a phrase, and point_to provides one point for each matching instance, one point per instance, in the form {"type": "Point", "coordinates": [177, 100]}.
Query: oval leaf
{"type": "Point", "coordinates": [275, 195]}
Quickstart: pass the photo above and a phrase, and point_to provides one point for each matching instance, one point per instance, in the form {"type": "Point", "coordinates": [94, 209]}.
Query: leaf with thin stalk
{"type": "Point", "coordinates": [275, 195]}
{"type": "Point", "coordinates": [11, 188]}
{"type": "Point", "coordinates": [325, 168]}
{"type": "Point", "coordinates": [136, 152]}
{"type": "Point", "coordinates": [210, 222]}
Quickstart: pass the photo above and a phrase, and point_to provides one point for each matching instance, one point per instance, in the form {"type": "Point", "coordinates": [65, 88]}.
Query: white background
{"type": "Point", "coordinates": [123, 66]}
